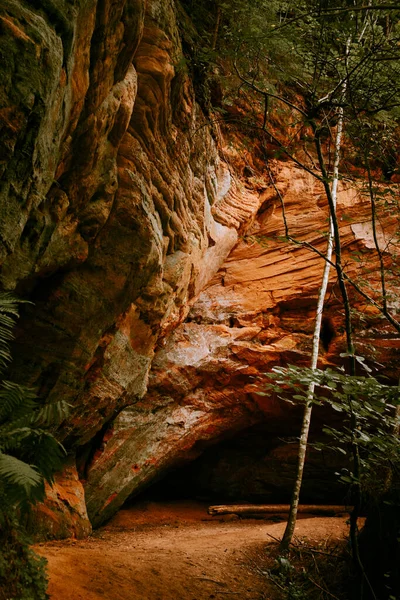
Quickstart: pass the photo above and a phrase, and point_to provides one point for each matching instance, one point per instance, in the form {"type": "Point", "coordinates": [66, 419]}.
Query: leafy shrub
{"type": "Point", "coordinates": [29, 455]}
{"type": "Point", "coordinates": [22, 572]}
{"type": "Point", "coordinates": [370, 419]}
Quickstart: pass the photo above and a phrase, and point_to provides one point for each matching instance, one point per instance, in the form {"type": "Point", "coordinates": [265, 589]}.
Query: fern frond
{"type": "Point", "coordinates": [35, 446]}
{"type": "Point", "coordinates": [53, 413]}
{"type": "Point", "coordinates": [16, 400]}
{"type": "Point", "coordinates": [9, 304]}
{"type": "Point", "coordinates": [6, 321]}
{"type": "Point", "coordinates": [8, 317]}
{"type": "Point", "coordinates": [46, 453]}
{"type": "Point", "coordinates": [5, 357]}
{"type": "Point", "coordinates": [5, 331]}
{"type": "Point", "coordinates": [28, 453]}
{"type": "Point", "coordinates": [17, 473]}
{"type": "Point", "coordinates": [11, 438]}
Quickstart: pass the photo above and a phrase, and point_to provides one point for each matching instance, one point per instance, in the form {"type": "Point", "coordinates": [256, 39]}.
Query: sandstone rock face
{"type": "Point", "coordinates": [63, 514]}
{"type": "Point", "coordinates": [116, 235]}
{"type": "Point", "coordinates": [256, 313]}
{"type": "Point", "coordinates": [109, 173]}
{"type": "Point", "coordinates": [118, 220]}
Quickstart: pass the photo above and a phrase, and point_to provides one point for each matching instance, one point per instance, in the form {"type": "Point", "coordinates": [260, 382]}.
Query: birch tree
{"type": "Point", "coordinates": [301, 457]}
{"type": "Point", "coordinates": [338, 74]}
{"type": "Point", "coordinates": [325, 97]}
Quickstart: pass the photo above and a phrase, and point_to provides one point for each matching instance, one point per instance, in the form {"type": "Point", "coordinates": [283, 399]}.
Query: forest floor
{"type": "Point", "coordinates": [176, 551]}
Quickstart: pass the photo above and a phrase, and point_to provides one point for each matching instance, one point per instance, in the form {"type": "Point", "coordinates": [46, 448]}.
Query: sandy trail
{"type": "Point", "coordinates": [173, 551]}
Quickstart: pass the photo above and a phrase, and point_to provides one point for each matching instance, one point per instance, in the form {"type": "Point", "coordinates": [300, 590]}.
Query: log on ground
{"type": "Point", "coordinates": [244, 509]}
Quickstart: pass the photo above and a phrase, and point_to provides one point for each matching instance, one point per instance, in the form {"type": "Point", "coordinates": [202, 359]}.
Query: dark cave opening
{"type": "Point", "coordinates": [256, 465]}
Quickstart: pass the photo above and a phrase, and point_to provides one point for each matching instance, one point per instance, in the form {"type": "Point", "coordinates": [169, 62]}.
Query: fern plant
{"type": "Point", "coordinates": [29, 453]}
{"type": "Point", "coordinates": [29, 456]}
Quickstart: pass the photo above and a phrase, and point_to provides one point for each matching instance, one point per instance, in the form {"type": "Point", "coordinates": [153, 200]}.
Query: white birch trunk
{"type": "Point", "coordinates": [288, 535]}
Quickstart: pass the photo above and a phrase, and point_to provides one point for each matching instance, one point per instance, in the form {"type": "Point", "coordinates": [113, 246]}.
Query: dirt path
{"type": "Point", "coordinates": [173, 551]}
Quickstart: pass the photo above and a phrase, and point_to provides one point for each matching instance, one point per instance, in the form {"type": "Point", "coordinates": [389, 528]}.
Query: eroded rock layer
{"type": "Point", "coordinates": [133, 192]}
{"type": "Point", "coordinates": [256, 313]}
{"type": "Point", "coordinates": [109, 173]}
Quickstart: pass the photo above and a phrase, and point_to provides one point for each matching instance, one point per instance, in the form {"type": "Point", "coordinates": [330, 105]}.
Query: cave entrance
{"type": "Point", "coordinates": [256, 465]}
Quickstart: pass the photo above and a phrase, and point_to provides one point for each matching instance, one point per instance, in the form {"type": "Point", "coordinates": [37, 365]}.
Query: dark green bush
{"type": "Point", "coordinates": [22, 572]}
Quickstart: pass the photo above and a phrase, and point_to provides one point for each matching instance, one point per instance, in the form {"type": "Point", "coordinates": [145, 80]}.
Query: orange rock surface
{"type": "Point", "coordinates": [256, 313]}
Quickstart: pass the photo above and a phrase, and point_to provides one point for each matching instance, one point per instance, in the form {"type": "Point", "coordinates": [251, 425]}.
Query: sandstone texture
{"type": "Point", "coordinates": [109, 173]}
{"type": "Point", "coordinates": [132, 195]}
{"type": "Point", "coordinates": [63, 514]}
{"type": "Point", "coordinates": [256, 313]}
{"type": "Point", "coordinates": [161, 288]}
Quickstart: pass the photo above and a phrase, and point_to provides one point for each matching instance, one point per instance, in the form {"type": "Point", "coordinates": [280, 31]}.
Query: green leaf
{"type": "Point", "coordinates": [20, 474]}
{"type": "Point", "coordinates": [346, 479]}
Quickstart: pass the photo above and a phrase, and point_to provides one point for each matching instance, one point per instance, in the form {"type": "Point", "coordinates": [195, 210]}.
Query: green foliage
{"type": "Point", "coordinates": [365, 401]}
{"type": "Point", "coordinates": [22, 572]}
{"type": "Point", "coordinates": [29, 453]}
{"type": "Point", "coordinates": [307, 572]}
{"type": "Point", "coordinates": [303, 53]}
{"type": "Point", "coordinates": [29, 456]}
{"type": "Point", "coordinates": [240, 31]}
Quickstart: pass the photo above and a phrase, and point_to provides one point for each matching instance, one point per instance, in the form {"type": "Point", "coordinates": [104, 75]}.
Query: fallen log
{"type": "Point", "coordinates": [244, 509]}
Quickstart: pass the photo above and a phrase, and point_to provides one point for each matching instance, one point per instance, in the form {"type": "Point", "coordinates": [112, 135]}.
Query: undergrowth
{"type": "Point", "coordinates": [308, 572]}
{"type": "Point", "coordinates": [22, 572]}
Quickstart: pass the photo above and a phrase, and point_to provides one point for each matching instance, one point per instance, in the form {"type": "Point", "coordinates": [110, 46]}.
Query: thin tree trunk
{"type": "Point", "coordinates": [216, 28]}
{"type": "Point", "coordinates": [356, 487]}
{"type": "Point", "coordinates": [289, 531]}
{"type": "Point", "coordinates": [375, 235]}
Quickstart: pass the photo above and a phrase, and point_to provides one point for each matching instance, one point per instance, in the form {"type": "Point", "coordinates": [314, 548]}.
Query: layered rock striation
{"type": "Point", "coordinates": [256, 313]}
{"type": "Point", "coordinates": [123, 235]}
{"type": "Point", "coordinates": [161, 290]}
{"type": "Point", "coordinates": [109, 173]}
